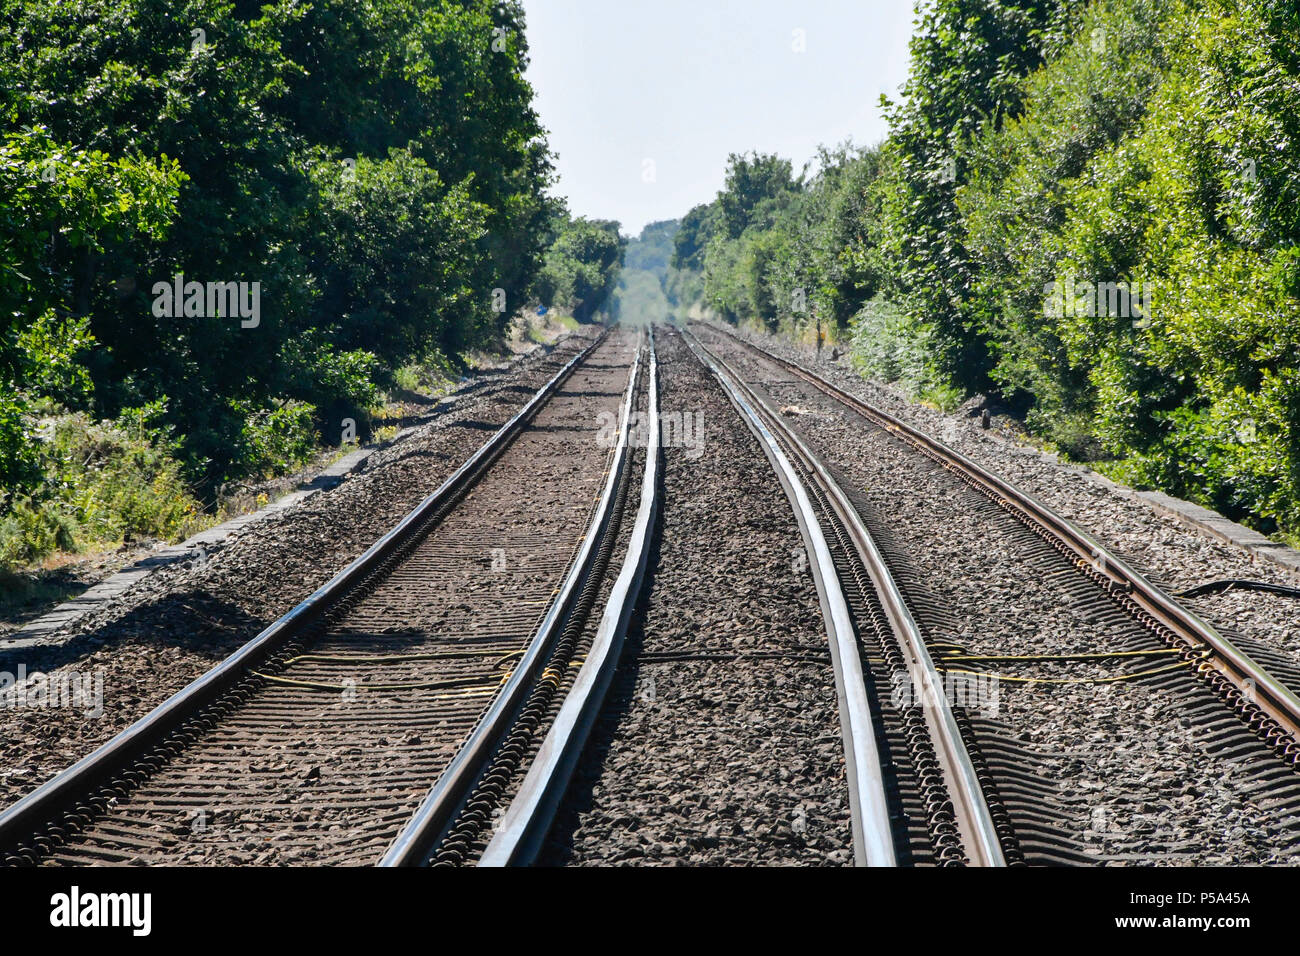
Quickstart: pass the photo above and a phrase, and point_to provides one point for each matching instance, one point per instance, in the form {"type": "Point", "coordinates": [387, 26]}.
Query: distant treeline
{"type": "Point", "coordinates": [225, 224]}
{"type": "Point", "coordinates": [1088, 209]}
{"type": "Point", "coordinates": [642, 293]}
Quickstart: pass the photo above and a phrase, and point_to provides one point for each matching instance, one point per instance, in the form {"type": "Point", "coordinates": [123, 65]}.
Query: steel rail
{"type": "Point", "coordinates": [971, 811]}
{"type": "Point", "coordinates": [416, 841]}
{"type": "Point", "coordinates": [43, 805]}
{"type": "Point", "coordinates": [1248, 682]}
{"type": "Point", "coordinates": [873, 834]}
{"type": "Point", "coordinates": [521, 832]}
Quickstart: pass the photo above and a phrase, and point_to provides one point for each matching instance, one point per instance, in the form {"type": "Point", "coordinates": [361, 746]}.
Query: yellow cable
{"type": "Point", "coordinates": [1059, 657]}
{"type": "Point", "coordinates": [318, 685]}
{"type": "Point", "coordinates": [385, 658]}
{"type": "Point", "coordinates": [549, 675]}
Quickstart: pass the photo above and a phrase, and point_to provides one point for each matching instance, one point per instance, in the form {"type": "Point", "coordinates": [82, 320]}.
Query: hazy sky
{"type": "Point", "coordinates": [682, 83]}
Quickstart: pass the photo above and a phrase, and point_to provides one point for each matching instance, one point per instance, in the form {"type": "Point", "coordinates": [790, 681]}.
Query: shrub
{"type": "Point", "coordinates": [103, 483]}
{"type": "Point", "coordinates": [277, 440]}
{"type": "Point", "coordinates": [118, 479]}
{"type": "Point", "coordinates": [30, 530]}
{"type": "Point", "coordinates": [886, 344]}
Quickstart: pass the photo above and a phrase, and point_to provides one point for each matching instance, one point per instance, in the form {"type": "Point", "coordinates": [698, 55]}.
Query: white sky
{"type": "Point", "coordinates": [684, 83]}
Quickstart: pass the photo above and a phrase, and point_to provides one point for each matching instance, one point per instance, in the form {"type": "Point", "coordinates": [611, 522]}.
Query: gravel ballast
{"type": "Point", "coordinates": [1172, 554]}
{"type": "Point", "coordinates": [737, 759]}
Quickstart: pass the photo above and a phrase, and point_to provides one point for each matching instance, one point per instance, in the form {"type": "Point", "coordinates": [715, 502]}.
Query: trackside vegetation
{"type": "Point", "coordinates": [227, 225]}
{"type": "Point", "coordinates": [1089, 211]}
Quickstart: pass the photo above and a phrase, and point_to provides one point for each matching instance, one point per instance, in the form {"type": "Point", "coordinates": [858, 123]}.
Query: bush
{"type": "Point", "coordinates": [30, 530]}
{"type": "Point", "coordinates": [103, 483]}
{"type": "Point", "coordinates": [275, 441]}
{"type": "Point", "coordinates": [1162, 158]}
{"type": "Point", "coordinates": [431, 375]}
{"type": "Point", "coordinates": [119, 479]}
{"type": "Point", "coordinates": [886, 344]}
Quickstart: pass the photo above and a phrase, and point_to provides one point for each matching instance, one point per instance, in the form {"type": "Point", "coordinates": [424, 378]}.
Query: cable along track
{"type": "Point", "coordinates": [315, 742]}
{"type": "Point", "coordinates": [929, 758]}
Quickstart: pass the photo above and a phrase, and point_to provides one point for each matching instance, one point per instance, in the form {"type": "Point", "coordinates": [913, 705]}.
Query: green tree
{"type": "Point", "coordinates": [967, 60]}
{"type": "Point", "coordinates": [582, 267]}
{"type": "Point", "coordinates": [752, 179]}
{"type": "Point", "coordinates": [422, 104]}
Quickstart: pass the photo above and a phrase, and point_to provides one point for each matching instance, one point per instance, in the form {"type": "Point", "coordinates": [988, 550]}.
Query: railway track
{"type": "Point", "coordinates": [1243, 709]}
{"type": "Point", "coordinates": [520, 835]}
{"type": "Point", "coordinates": [431, 704]}
{"type": "Point", "coordinates": [360, 726]}
{"type": "Point", "coordinates": [919, 747]}
{"type": "Point", "coordinates": [913, 793]}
